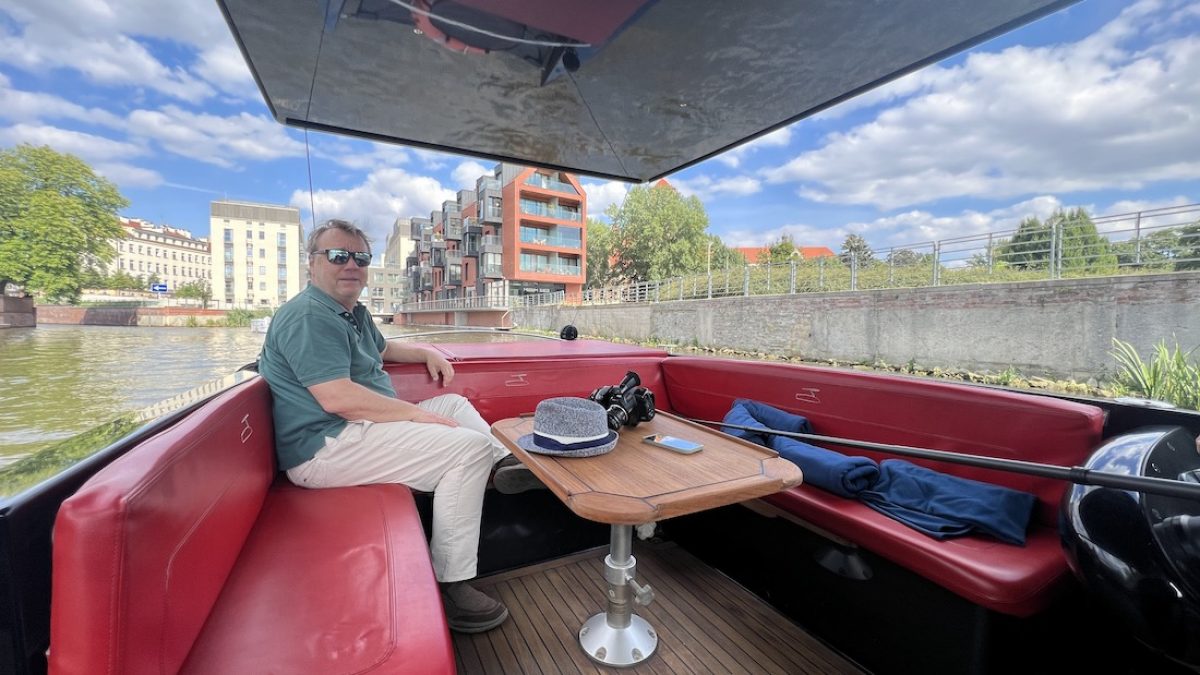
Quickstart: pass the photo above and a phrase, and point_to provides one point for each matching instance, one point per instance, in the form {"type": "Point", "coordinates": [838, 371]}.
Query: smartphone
{"type": "Point", "coordinates": [673, 443]}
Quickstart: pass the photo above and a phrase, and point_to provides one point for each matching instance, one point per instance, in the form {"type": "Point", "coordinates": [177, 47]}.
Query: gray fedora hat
{"type": "Point", "coordinates": [567, 426]}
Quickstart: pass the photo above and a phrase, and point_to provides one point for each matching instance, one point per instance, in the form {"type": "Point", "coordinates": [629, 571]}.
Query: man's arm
{"type": "Point", "coordinates": [352, 401]}
{"type": "Point", "coordinates": [437, 365]}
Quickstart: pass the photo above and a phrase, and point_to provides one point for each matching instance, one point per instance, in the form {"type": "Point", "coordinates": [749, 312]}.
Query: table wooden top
{"type": "Point", "coordinates": [640, 483]}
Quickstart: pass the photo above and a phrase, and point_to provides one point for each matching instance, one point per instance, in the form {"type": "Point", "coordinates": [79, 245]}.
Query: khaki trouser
{"type": "Point", "coordinates": [451, 462]}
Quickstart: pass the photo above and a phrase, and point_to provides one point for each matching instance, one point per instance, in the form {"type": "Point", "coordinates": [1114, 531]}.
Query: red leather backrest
{"type": "Point", "coordinates": [507, 388]}
{"type": "Point", "coordinates": [903, 411]}
{"type": "Point", "coordinates": [143, 548]}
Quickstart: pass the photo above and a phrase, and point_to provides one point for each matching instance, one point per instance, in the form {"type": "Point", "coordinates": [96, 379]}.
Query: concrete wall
{"type": "Point", "coordinates": [128, 316]}
{"type": "Point", "coordinates": [17, 312]}
{"type": "Point", "coordinates": [1056, 328]}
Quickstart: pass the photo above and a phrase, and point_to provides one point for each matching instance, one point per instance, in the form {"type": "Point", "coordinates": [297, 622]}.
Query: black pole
{"type": "Point", "coordinates": [1073, 474]}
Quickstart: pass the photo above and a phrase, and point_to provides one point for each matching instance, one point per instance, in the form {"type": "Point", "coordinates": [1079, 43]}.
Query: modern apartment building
{"type": "Point", "coordinates": [520, 231]}
{"type": "Point", "coordinates": [387, 288]}
{"type": "Point", "coordinates": [160, 253]}
{"type": "Point", "coordinates": [257, 257]}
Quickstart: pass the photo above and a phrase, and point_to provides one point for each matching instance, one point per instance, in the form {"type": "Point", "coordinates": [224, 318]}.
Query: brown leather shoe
{"type": "Point", "coordinates": [470, 611]}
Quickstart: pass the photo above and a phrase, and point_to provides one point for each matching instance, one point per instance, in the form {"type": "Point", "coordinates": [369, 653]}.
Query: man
{"type": "Point", "coordinates": [338, 421]}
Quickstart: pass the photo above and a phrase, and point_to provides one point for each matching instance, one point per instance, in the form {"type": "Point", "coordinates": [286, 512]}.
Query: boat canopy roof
{"type": "Point", "coordinates": [624, 89]}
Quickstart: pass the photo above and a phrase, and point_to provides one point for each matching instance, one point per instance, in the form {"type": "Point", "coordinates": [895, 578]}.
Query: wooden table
{"type": "Point", "coordinates": [639, 483]}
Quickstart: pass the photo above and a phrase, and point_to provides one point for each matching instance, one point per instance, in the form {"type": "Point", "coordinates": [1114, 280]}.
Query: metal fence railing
{"type": "Point", "coordinates": [1161, 240]}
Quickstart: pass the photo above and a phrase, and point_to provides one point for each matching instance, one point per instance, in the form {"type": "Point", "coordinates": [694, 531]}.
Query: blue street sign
{"type": "Point", "coordinates": [158, 288]}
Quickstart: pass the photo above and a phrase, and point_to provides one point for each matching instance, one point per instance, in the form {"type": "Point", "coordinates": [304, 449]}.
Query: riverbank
{"type": "Point", "coordinates": [150, 317]}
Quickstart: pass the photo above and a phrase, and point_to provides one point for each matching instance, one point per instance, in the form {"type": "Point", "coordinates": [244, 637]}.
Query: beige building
{"type": "Point", "coordinates": [166, 254]}
{"type": "Point", "coordinates": [257, 254]}
{"type": "Point", "coordinates": [387, 288]}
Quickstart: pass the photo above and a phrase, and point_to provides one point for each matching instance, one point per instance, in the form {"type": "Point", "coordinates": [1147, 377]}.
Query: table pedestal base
{"type": "Point", "coordinates": [618, 647]}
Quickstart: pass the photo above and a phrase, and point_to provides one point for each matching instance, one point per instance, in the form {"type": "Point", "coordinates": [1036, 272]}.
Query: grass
{"type": "Point", "coordinates": [1169, 375]}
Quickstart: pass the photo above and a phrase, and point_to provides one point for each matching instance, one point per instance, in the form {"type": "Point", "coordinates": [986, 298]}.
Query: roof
{"type": "Point", "coordinates": [627, 89]}
{"type": "Point", "coordinates": [752, 253]}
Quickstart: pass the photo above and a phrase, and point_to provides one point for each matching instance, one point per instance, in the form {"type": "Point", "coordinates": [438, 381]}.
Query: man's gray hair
{"type": "Point", "coordinates": [336, 224]}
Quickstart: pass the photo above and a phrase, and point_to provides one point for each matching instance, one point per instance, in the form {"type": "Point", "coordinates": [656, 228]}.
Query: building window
{"type": "Point", "coordinates": [281, 239]}
{"type": "Point", "coordinates": [262, 233]}
{"type": "Point", "coordinates": [262, 253]}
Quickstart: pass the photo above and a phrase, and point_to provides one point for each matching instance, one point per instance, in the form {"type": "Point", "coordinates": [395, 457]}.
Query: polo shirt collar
{"type": "Point", "coordinates": [327, 300]}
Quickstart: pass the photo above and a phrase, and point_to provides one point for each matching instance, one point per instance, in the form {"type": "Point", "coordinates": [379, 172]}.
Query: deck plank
{"type": "Point", "coordinates": [705, 622]}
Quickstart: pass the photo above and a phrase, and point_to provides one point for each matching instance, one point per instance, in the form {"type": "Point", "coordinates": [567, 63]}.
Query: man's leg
{"type": "Point", "coordinates": [451, 462]}
{"type": "Point", "coordinates": [510, 477]}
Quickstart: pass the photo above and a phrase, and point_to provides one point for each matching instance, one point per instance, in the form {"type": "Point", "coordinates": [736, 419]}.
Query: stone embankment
{"type": "Point", "coordinates": [17, 312]}
{"type": "Point", "coordinates": [129, 316]}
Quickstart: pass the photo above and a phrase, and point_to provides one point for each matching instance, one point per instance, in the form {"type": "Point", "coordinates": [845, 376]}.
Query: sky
{"type": "Point", "coordinates": [1096, 106]}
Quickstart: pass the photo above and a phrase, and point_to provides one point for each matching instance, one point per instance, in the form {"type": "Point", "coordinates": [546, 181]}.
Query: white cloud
{"type": "Point", "coordinates": [707, 187]}
{"type": "Point", "coordinates": [89, 147]}
{"type": "Point", "coordinates": [215, 139]}
{"type": "Point", "coordinates": [105, 42]}
{"type": "Point", "coordinates": [374, 205]}
{"type": "Point", "coordinates": [466, 173]}
{"type": "Point", "coordinates": [346, 153]}
{"type": "Point", "coordinates": [1096, 114]}
{"type": "Point", "coordinates": [776, 139]}
{"type": "Point", "coordinates": [223, 66]}
{"type": "Point", "coordinates": [128, 176]}
{"type": "Point", "coordinates": [602, 195]}
{"type": "Point", "coordinates": [28, 106]}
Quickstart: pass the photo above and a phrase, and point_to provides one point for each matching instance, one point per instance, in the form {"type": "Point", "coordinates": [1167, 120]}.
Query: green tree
{"type": "Point", "coordinates": [1189, 248]}
{"type": "Point", "coordinates": [195, 290]}
{"type": "Point", "coordinates": [1029, 248]}
{"type": "Point", "coordinates": [599, 253]}
{"type": "Point", "coordinates": [781, 251]}
{"type": "Point", "coordinates": [855, 245]}
{"type": "Point", "coordinates": [658, 234]}
{"type": "Point", "coordinates": [55, 212]}
{"type": "Point", "coordinates": [124, 281]}
{"type": "Point", "coordinates": [1083, 248]}
{"type": "Point", "coordinates": [1158, 250]}
{"type": "Point", "coordinates": [906, 257]}
{"type": "Point", "coordinates": [722, 258]}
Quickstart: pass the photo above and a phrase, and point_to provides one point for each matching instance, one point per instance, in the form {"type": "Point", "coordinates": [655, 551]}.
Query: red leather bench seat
{"type": "Point", "coordinates": [922, 413]}
{"type": "Point", "coordinates": [507, 379]}
{"type": "Point", "coordinates": [181, 555]}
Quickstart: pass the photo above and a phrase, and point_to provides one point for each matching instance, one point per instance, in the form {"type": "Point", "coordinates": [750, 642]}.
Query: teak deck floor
{"type": "Point", "coordinates": [706, 623]}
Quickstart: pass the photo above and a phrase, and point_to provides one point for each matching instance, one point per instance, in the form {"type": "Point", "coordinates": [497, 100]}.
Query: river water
{"type": "Point", "coordinates": [57, 381]}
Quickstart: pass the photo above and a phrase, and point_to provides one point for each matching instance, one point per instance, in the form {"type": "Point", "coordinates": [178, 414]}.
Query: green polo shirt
{"type": "Point", "coordinates": [313, 339]}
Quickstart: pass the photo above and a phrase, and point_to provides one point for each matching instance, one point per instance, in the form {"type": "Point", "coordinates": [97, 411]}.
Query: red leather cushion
{"type": "Point", "coordinates": [142, 550]}
{"type": "Point", "coordinates": [921, 413]}
{"type": "Point", "coordinates": [904, 411]}
{"type": "Point", "coordinates": [501, 389]}
{"type": "Point", "coordinates": [330, 581]}
{"type": "Point", "coordinates": [1015, 580]}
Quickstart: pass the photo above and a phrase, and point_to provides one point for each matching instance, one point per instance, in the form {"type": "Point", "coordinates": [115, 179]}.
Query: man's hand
{"type": "Point", "coordinates": [439, 367]}
{"type": "Point", "coordinates": [427, 417]}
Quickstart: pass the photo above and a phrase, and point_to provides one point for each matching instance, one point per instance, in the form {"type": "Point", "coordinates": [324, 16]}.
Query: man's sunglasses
{"type": "Point", "coordinates": [340, 256]}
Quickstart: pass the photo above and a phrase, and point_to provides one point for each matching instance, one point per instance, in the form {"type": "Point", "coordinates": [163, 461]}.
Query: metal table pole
{"type": "Point", "coordinates": [617, 636]}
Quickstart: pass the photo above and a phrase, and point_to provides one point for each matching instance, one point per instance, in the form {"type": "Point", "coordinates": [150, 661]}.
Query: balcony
{"type": "Point", "coordinates": [492, 244]}
{"type": "Point", "coordinates": [493, 271]}
{"type": "Point", "coordinates": [548, 238]}
{"type": "Point", "coordinates": [454, 230]}
{"type": "Point", "coordinates": [558, 269]}
{"type": "Point", "coordinates": [532, 207]}
{"type": "Point", "coordinates": [547, 183]}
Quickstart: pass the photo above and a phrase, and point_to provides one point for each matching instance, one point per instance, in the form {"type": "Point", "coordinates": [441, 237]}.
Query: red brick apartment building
{"type": "Point", "coordinates": [520, 231]}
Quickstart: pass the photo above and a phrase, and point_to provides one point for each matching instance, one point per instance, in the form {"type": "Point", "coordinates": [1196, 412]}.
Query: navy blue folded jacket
{"type": "Point", "coordinates": [937, 504]}
{"type": "Point", "coordinates": [840, 474]}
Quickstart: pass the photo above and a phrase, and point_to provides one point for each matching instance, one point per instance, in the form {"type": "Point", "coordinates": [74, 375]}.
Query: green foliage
{"type": "Point", "coordinates": [240, 318]}
{"type": "Point", "coordinates": [56, 217]}
{"type": "Point", "coordinates": [658, 234]}
{"type": "Point", "coordinates": [1029, 248]}
{"type": "Point", "coordinates": [599, 253]}
{"type": "Point", "coordinates": [195, 290]}
{"type": "Point", "coordinates": [1084, 250]}
{"type": "Point", "coordinates": [779, 252]}
{"type": "Point", "coordinates": [1168, 375]}
{"type": "Point", "coordinates": [856, 246]}
{"type": "Point", "coordinates": [1189, 248]}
